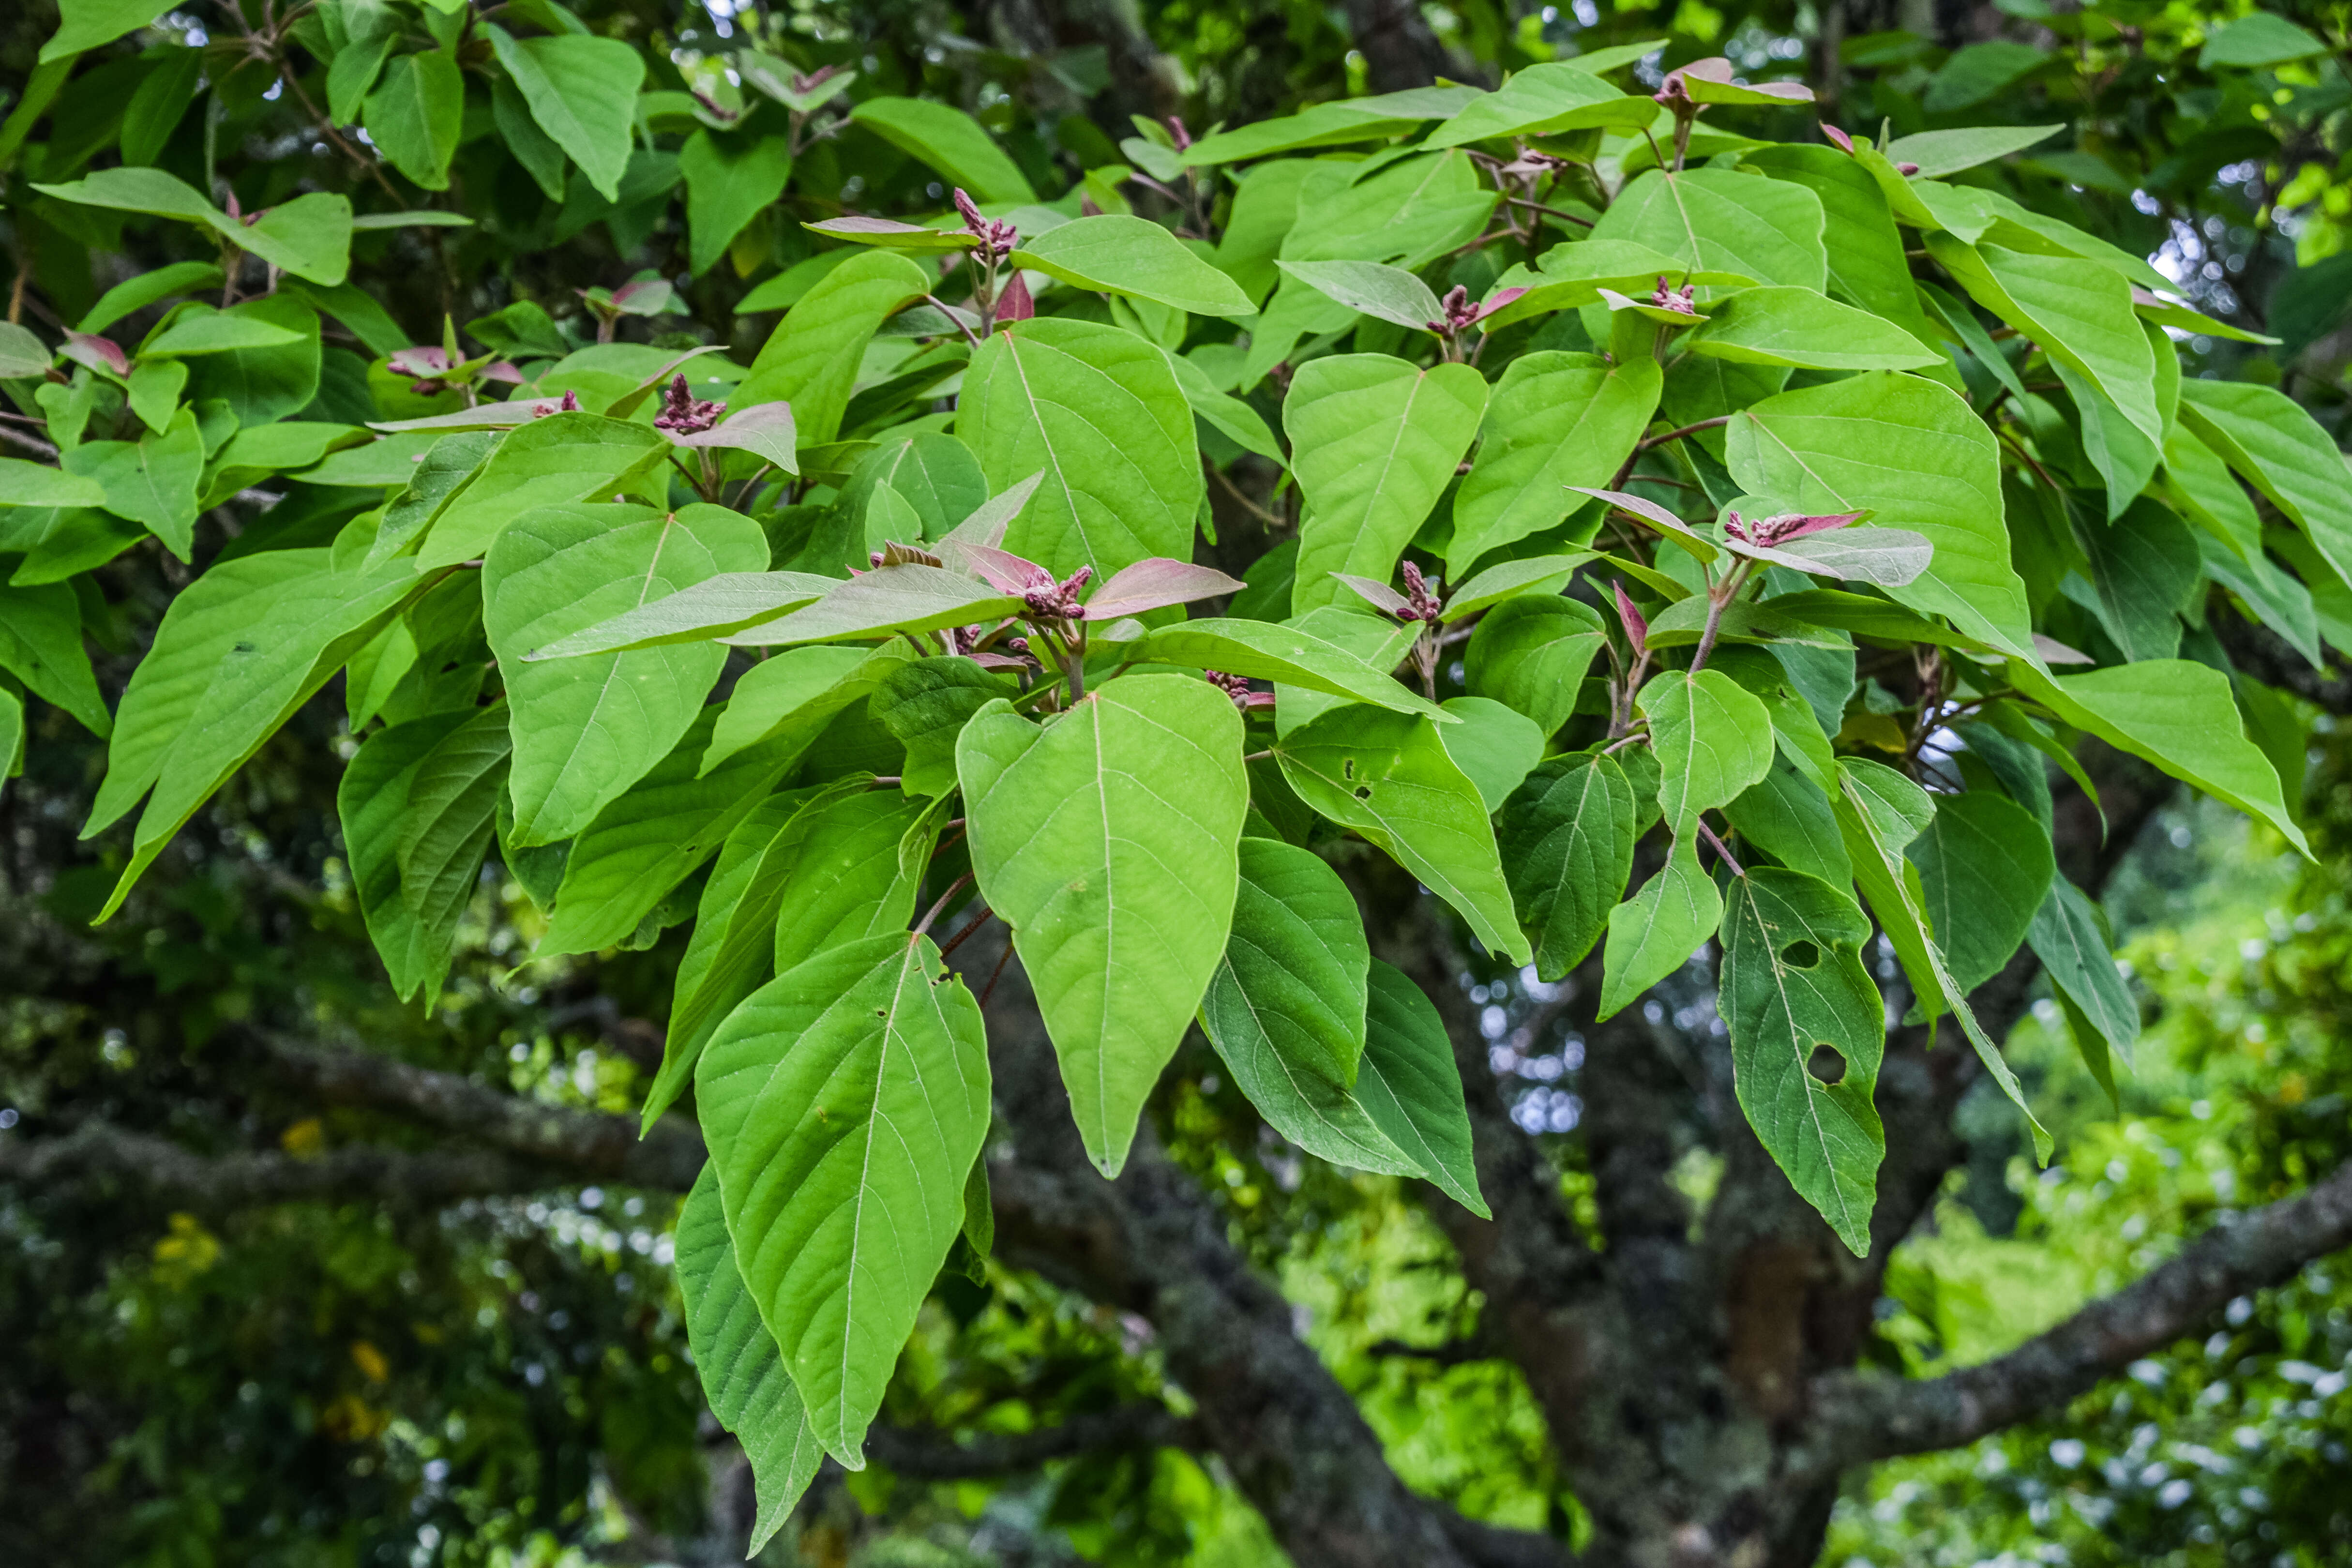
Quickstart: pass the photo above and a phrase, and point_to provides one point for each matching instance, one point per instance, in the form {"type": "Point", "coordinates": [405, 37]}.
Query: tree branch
{"type": "Point", "coordinates": [2265, 655]}
{"type": "Point", "coordinates": [98, 1158]}
{"type": "Point", "coordinates": [1861, 1418]}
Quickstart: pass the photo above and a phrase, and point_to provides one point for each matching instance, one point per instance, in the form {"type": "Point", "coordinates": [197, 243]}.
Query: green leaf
{"type": "Point", "coordinates": [151, 481]}
{"type": "Point", "coordinates": [1880, 813]}
{"type": "Point", "coordinates": [1567, 840]}
{"type": "Point", "coordinates": [1374, 442]}
{"type": "Point", "coordinates": [1222, 412]}
{"type": "Point", "coordinates": [1372, 288]}
{"type": "Point", "coordinates": [37, 484]}
{"type": "Point", "coordinates": [1655, 933]}
{"type": "Point", "coordinates": [1985, 865]}
{"type": "Point", "coordinates": [150, 191]}
{"type": "Point", "coordinates": [742, 1374]}
{"type": "Point", "coordinates": [86, 23]}
{"type": "Point", "coordinates": [1786, 814]}
{"type": "Point", "coordinates": [1286, 1008]}
{"type": "Point", "coordinates": [381, 807]}
{"type": "Point", "coordinates": [1723, 221]}
{"type": "Point", "coordinates": [1388, 776]}
{"type": "Point", "coordinates": [1917, 455]}
{"type": "Point", "coordinates": [1531, 653]}
{"type": "Point", "coordinates": [552, 462]}
{"type": "Point", "coordinates": [2177, 714]}
{"type": "Point", "coordinates": [845, 1103]}
{"type": "Point", "coordinates": [811, 360]}
{"type": "Point", "coordinates": [1793, 982]}
{"type": "Point", "coordinates": [1798, 327]}
{"type": "Point", "coordinates": [353, 70]}
{"type": "Point", "coordinates": [270, 381]}
{"type": "Point", "coordinates": [934, 473]}
{"type": "Point", "coordinates": [2079, 311]}
{"type": "Point", "coordinates": [1263, 651]}
{"type": "Point", "coordinates": [1543, 101]}
{"type": "Point", "coordinates": [41, 646]}
{"type": "Point", "coordinates": [663, 826]}
{"type": "Point", "coordinates": [702, 612]}
{"type": "Point", "coordinates": [583, 92]}
{"type": "Point", "coordinates": [1098, 411]}
{"type": "Point", "coordinates": [909, 597]}
{"type": "Point", "coordinates": [729, 180]}
{"type": "Point", "coordinates": [290, 636]}
{"type": "Point", "coordinates": [1106, 841]}
{"type": "Point", "coordinates": [538, 154]}
{"type": "Point", "coordinates": [1407, 1084]}
{"type": "Point", "coordinates": [2268, 437]}
{"type": "Point", "coordinates": [926, 704]}
{"type": "Point", "coordinates": [2257, 40]}
{"type": "Point", "coordinates": [2066, 937]}
{"type": "Point", "coordinates": [1977, 71]}
{"type": "Point", "coordinates": [1534, 574]}
{"type": "Point", "coordinates": [1116, 254]}
{"type": "Point", "coordinates": [1942, 152]}
{"type": "Point", "coordinates": [1414, 209]}
{"type": "Point", "coordinates": [415, 114]}
{"type": "Point", "coordinates": [1556, 420]}
{"type": "Point", "coordinates": [1333, 124]}
{"type": "Point", "coordinates": [309, 237]}
{"type": "Point", "coordinates": [950, 141]}
{"type": "Point", "coordinates": [2145, 567]}
{"type": "Point", "coordinates": [1712, 738]}
{"type": "Point", "coordinates": [802, 687]}
{"type": "Point", "coordinates": [586, 728]}
{"type": "Point", "coordinates": [1495, 746]}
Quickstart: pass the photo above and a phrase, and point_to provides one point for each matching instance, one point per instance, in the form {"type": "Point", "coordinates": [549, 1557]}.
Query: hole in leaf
{"type": "Point", "coordinates": [1826, 1064]}
{"type": "Point", "coordinates": [1347, 767]}
{"type": "Point", "coordinates": [1800, 955]}
{"type": "Point", "coordinates": [1363, 792]}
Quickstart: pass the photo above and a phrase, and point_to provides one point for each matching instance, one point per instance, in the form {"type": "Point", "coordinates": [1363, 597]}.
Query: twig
{"type": "Point", "coordinates": [997, 974]}
{"type": "Point", "coordinates": [977, 921]}
{"type": "Point", "coordinates": [1234, 490]}
{"type": "Point", "coordinates": [1650, 441]}
{"type": "Point", "coordinates": [1716, 844]}
{"type": "Point", "coordinates": [1548, 212]}
{"type": "Point", "coordinates": [940, 908]}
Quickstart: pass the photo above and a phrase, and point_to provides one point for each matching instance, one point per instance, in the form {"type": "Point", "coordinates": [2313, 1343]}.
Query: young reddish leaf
{"type": "Point", "coordinates": [1151, 584]}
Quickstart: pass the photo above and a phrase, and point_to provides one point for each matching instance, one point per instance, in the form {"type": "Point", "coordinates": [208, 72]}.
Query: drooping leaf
{"type": "Point", "coordinates": [1786, 814]}
{"type": "Point", "coordinates": [742, 1374]}
{"type": "Point", "coordinates": [1388, 776]}
{"type": "Point", "coordinates": [1117, 254]}
{"type": "Point", "coordinates": [1286, 1003]}
{"type": "Point", "coordinates": [1655, 933]}
{"type": "Point", "coordinates": [1712, 738]}
{"type": "Point", "coordinates": [373, 801]}
{"type": "Point", "coordinates": [2078, 310]}
{"type": "Point", "coordinates": [845, 1103]}
{"type": "Point", "coordinates": [1407, 1084]}
{"type": "Point", "coordinates": [950, 141]}
{"type": "Point", "coordinates": [2066, 938]}
{"type": "Point", "coordinates": [583, 92]}
{"type": "Point", "coordinates": [811, 360]}
{"type": "Point", "coordinates": [151, 480]}
{"type": "Point", "coordinates": [1375, 443]}
{"type": "Point", "coordinates": [1106, 840]}
{"type": "Point", "coordinates": [41, 646]}
{"type": "Point", "coordinates": [1099, 413]}
{"type": "Point", "coordinates": [415, 112]}
{"type": "Point", "coordinates": [1567, 840]}
{"type": "Point", "coordinates": [729, 180]}
{"type": "Point", "coordinates": [1793, 984]}
{"type": "Point", "coordinates": [1985, 865]}
{"type": "Point", "coordinates": [1800, 327]}
{"type": "Point", "coordinates": [2268, 437]}
{"type": "Point", "coordinates": [586, 728]}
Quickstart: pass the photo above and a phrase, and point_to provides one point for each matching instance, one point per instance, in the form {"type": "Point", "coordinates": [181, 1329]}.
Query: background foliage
{"type": "Point", "coordinates": [504, 1380]}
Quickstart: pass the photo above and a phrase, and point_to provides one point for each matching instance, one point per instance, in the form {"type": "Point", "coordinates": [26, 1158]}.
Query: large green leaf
{"type": "Point", "coordinates": [1786, 814]}
{"type": "Point", "coordinates": [1493, 744]}
{"type": "Point", "coordinates": [2066, 937]}
{"type": "Point", "coordinates": [1800, 327]}
{"type": "Point", "coordinates": [1793, 982]}
{"type": "Point", "coordinates": [1867, 264]}
{"type": "Point", "coordinates": [415, 112]}
{"type": "Point", "coordinates": [743, 1376]}
{"type": "Point", "coordinates": [950, 141]}
{"type": "Point", "coordinates": [1880, 813]}
{"type": "Point", "coordinates": [1106, 840]}
{"type": "Point", "coordinates": [723, 605]}
{"type": "Point", "coordinates": [926, 704]}
{"type": "Point", "coordinates": [2078, 310]}
{"type": "Point", "coordinates": [811, 360]}
{"type": "Point", "coordinates": [802, 687]}
{"type": "Point", "coordinates": [1414, 209]}
{"type": "Point", "coordinates": [1333, 124]}
{"type": "Point", "coordinates": [549, 462]}
{"type": "Point", "coordinates": [2267, 437]}
{"type": "Point", "coordinates": [293, 625]}
{"type": "Point", "coordinates": [586, 728]}
{"type": "Point", "coordinates": [845, 1103]}
{"type": "Point", "coordinates": [1294, 656]}
{"type": "Point", "coordinates": [1374, 442]}
{"type": "Point", "coordinates": [1388, 776]}
{"type": "Point", "coordinates": [374, 802]}
{"type": "Point", "coordinates": [152, 481]}
{"type": "Point", "coordinates": [729, 180]}
{"type": "Point", "coordinates": [1985, 865]}
{"type": "Point", "coordinates": [1721, 220]}
{"type": "Point", "coordinates": [908, 596]}
{"type": "Point", "coordinates": [583, 91]}
{"type": "Point", "coordinates": [2144, 568]}
{"type": "Point", "coordinates": [1556, 420]}
{"type": "Point", "coordinates": [1567, 841]}
{"type": "Point", "coordinates": [1407, 1084]}
{"type": "Point", "coordinates": [1114, 252]}
{"type": "Point", "coordinates": [86, 23]}
{"type": "Point", "coordinates": [2178, 714]}
{"type": "Point", "coordinates": [1099, 413]}
{"type": "Point", "coordinates": [1287, 1001]}
{"type": "Point", "coordinates": [1917, 456]}
{"type": "Point", "coordinates": [1543, 101]}
{"type": "Point", "coordinates": [1713, 740]}
{"type": "Point", "coordinates": [1531, 653]}
{"type": "Point", "coordinates": [1655, 933]}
